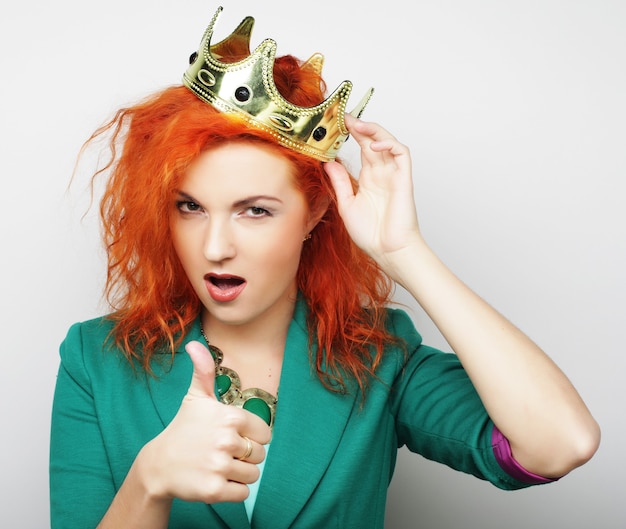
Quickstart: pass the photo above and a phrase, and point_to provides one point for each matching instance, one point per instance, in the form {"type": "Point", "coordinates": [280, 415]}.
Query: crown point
{"type": "Point", "coordinates": [315, 62]}
{"type": "Point", "coordinates": [358, 109]}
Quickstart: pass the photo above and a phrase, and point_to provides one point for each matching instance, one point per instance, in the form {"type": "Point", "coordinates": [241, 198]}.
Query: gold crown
{"type": "Point", "coordinates": [246, 87]}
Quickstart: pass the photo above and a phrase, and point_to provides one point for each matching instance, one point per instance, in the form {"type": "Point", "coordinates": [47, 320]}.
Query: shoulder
{"type": "Point", "coordinates": [88, 333]}
{"type": "Point", "coordinates": [86, 347]}
{"type": "Point", "coordinates": [404, 342]}
{"type": "Point", "coordinates": [400, 324]}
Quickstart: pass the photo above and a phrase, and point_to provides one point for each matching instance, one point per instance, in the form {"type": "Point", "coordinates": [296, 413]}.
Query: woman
{"type": "Point", "coordinates": [250, 372]}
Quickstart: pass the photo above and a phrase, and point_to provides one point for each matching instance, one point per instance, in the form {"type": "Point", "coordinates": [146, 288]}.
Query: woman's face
{"type": "Point", "coordinates": [238, 226]}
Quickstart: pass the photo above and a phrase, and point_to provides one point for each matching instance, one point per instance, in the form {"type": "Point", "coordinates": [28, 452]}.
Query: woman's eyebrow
{"type": "Point", "coordinates": [255, 198]}
{"type": "Point", "coordinates": [186, 196]}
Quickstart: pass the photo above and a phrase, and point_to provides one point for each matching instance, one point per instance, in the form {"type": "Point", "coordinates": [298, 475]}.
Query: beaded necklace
{"type": "Point", "coordinates": [255, 400]}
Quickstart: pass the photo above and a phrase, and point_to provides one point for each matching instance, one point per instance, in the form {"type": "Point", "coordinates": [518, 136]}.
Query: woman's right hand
{"type": "Point", "coordinates": [197, 456]}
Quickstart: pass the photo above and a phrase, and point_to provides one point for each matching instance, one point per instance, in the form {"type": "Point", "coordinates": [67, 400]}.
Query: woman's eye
{"type": "Point", "coordinates": [186, 206]}
{"type": "Point", "coordinates": [255, 211]}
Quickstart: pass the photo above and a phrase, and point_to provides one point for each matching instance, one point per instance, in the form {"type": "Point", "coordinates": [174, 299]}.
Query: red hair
{"type": "Point", "coordinates": [152, 145]}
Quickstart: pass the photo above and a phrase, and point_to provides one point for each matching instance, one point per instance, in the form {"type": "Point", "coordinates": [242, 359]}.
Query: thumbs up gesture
{"type": "Point", "coordinates": [210, 450]}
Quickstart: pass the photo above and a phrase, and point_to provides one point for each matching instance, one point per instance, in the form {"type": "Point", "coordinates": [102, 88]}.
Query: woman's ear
{"type": "Point", "coordinates": [316, 214]}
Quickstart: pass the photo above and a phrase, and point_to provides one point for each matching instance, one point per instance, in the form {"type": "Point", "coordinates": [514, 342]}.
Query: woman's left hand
{"type": "Point", "coordinates": [380, 217]}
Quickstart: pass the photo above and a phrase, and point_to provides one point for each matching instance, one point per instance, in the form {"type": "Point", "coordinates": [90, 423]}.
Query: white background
{"type": "Point", "coordinates": [516, 116]}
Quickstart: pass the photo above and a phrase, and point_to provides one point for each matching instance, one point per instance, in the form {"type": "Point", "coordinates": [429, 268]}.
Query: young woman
{"type": "Point", "coordinates": [250, 372]}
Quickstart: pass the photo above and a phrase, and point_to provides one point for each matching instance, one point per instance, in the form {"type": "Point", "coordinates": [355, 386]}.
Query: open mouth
{"type": "Point", "coordinates": [223, 288]}
{"type": "Point", "coordinates": [225, 282]}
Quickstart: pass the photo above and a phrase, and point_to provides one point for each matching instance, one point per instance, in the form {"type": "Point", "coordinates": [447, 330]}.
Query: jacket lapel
{"type": "Point", "coordinates": [308, 427]}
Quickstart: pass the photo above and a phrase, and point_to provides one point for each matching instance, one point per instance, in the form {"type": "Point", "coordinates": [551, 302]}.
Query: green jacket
{"type": "Point", "coordinates": [330, 461]}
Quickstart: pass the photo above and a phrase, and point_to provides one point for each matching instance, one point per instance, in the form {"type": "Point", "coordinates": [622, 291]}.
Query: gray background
{"type": "Point", "coordinates": [515, 114]}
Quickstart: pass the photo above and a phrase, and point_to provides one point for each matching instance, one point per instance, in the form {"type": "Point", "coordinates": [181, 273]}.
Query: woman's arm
{"type": "Point", "coordinates": [527, 396]}
{"type": "Point", "coordinates": [134, 506]}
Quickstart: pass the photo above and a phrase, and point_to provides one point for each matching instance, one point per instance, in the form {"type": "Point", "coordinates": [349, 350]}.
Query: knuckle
{"type": "Point", "coordinates": [234, 418]}
{"type": "Point", "coordinates": [229, 441]}
{"type": "Point", "coordinates": [221, 464]}
{"type": "Point", "coordinates": [213, 490]}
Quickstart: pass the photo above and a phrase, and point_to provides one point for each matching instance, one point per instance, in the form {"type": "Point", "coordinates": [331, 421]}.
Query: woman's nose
{"type": "Point", "coordinates": [219, 242]}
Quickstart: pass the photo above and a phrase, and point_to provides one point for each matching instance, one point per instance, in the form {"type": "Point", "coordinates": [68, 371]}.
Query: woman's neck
{"type": "Point", "coordinates": [254, 352]}
{"type": "Point", "coordinates": [263, 336]}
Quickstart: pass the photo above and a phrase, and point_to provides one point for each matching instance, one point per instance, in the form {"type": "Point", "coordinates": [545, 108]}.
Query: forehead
{"type": "Point", "coordinates": [241, 168]}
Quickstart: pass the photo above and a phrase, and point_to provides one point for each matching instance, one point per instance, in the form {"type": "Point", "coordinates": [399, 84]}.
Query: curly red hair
{"type": "Point", "coordinates": [152, 145]}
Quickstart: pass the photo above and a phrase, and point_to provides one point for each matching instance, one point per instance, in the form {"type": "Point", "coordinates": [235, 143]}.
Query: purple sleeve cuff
{"type": "Point", "coordinates": [504, 457]}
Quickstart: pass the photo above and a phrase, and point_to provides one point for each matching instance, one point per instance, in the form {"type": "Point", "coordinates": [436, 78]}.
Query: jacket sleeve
{"type": "Point", "coordinates": [81, 485]}
{"type": "Point", "coordinates": [439, 413]}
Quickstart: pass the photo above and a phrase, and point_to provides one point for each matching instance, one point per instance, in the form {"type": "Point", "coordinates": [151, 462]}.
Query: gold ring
{"type": "Point", "coordinates": [248, 450]}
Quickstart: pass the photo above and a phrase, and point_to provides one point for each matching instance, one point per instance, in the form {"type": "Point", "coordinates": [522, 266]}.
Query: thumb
{"type": "Point", "coordinates": [203, 378]}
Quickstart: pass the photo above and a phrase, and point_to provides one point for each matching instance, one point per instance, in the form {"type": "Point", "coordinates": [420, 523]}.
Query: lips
{"type": "Point", "coordinates": [223, 287]}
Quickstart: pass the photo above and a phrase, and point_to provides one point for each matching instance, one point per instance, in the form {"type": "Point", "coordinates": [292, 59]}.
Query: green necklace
{"type": "Point", "coordinates": [255, 400]}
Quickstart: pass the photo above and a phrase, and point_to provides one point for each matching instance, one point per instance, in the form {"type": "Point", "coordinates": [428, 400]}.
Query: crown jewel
{"type": "Point", "coordinates": [246, 88]}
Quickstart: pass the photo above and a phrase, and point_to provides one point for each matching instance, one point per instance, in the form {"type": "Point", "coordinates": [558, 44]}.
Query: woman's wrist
{"type": "Point", "coordinates": [146, 476]}
{"type": "Point", "coordinates": [139, 504]}
{"type": "Point", "coordinates": [401, 264]}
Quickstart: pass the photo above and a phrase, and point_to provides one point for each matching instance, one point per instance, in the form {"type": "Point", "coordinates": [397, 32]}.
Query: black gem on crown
{"type": "Point", "coordinates": [193, 57]}
{"type": "Point", "coordinates": [242, 94]}
{"type": "Point", "coordinates": [319, 133]}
